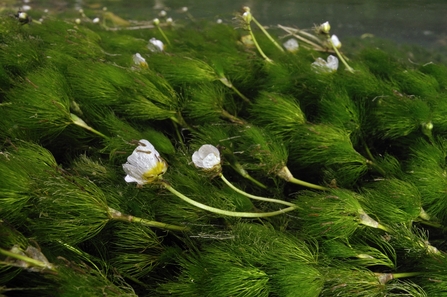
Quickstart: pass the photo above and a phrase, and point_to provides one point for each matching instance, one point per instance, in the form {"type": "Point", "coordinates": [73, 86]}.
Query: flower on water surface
{"type": "Point", "coordinates": [144, 165]}
{"type": "Point", "coordinates": [323, 66]}
{"type": "Point", "coordinates": [207, 157]}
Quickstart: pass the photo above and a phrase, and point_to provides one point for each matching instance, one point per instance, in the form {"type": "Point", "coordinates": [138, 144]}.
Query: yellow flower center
{"type": "Point", "coordinates": [155, 172]}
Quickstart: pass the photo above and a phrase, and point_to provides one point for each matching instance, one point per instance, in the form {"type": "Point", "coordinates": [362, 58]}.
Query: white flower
{"type": "Point", "coordinates": [291, 45]}
{"type": "Point", "coordinates": [156, 45]}
{"type": "Point", "coordinates": [144, 165]}
{"type": "Point", "coordinates": [139, 60]}
{"type": "Point", "coordinates": [325, 27]}
{"type": "Point", "coordinates": [207, 157]}
{"type": "Point", "coordinates": [323, 66]}
{"type": "Point", "coordinates": [335, 41]}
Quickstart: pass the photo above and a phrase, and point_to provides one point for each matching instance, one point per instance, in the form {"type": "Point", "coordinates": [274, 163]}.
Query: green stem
{"type": "Point", "coordinates": [239, 169]}
{"type": "Point", "coordinates": [430, 223]}
{"type": "Point", "coordinates": [226, 212]}
{"type": "Point", "coordinates": [315, 46]}
{"type": "Point", "coordinates": [377, 167]}
{"type": "Point", "coordinates": [386, 277]}
{"type": "Point", "coordinates": [257, 45]}
{"type": "Point", "coordinates": [267, 34]}
{"type": "Point", "coordinates": [285, 174]}
{"type": "Point", "coordinates": [366, 220]}
{"type": "Point", "coordinates": [232, 118]}
{"type": "Point", "coordinates": [340, 56]}
{"type": "Point", "coordinates": [240, 94]}
{"type": "Point", "coordinates": [254, 196]}
{"type": "Point", "coordinates": [226, 82]}
{"type": "Point", "coordinates": [163, 34]}
{"type": "Point", "coordinates": [368, 152]}
{"type": "Point", "coordinates": [80, 122]}
{"type": "Point", "coordinates": [117, 215]}
{"type": "Point", "coordinates": [30, 261]}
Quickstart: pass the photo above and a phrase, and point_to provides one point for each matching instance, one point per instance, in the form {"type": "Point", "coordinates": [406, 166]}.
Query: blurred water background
{"type": "Point", "coordinates": [422, 22]}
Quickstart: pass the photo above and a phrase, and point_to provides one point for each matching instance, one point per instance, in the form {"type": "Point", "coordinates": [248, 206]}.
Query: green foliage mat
{"type": "Point", "coordinates": [360, 155]}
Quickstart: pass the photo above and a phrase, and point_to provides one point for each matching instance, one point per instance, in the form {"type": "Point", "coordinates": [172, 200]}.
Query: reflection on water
{"type": "Point", "coordinates": [415, 21]}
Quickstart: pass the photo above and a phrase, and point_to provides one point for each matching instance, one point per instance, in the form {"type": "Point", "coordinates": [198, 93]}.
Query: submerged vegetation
{"type": "Point", "coordinates": [257, 162]}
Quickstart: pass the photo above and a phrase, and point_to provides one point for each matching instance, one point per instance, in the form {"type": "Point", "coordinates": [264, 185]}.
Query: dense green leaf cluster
{"type": "Point", "coordinates": [370, 145]}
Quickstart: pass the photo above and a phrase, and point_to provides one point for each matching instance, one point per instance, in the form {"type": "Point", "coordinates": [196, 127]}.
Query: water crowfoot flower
{"type": "Point", "coordinates": [252, 18]}
{"type": "Point", "coordinates": [322, 66]}
{"type": "Point", "coordinates": [247, 18]}
{"type": "Point", "coordinates": [155, 45]}
{"type": "Point", "coordinates": [139, 60]}
{"type": "Point", "coordinates": [156, 23]}
{"type": "Point", "coordinates": [335, 41]}
{"type": "Point", "coordinates": [291, 45]}
{"type": "Point", "coordinates": [144, 165]}
{"type": "Point", "coordinates": [207, 158]}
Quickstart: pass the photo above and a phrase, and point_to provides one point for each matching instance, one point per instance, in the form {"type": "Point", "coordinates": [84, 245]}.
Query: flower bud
{"type": "Point", "coordinates": [325, 28]}
{"type": "Point", "coordinates": [335, 41]}
{"type": "Point", "coordinates": [207, 158]}
{"type": "Point", "coordinates": [246, 16]}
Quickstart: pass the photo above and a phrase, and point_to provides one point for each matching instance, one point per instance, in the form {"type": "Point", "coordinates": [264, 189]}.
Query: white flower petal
{"type": "Point", "coordinates": [144, 165]}
{"type": "Point", "coordinates": [210, 161]}
{"type": "Point", "coordinates": [332, 62]}
{"type": "Point", "coordinates": [139, 60]}
{"type": "Point", "coordinates": [197, 160]}
{"type": "Point", "coordinates": [322, 66]}
{"type": "Point", "coordinates": [325, 27]}
{"type": "Point", "coordinates": [291, 45]}
{"type": "Point", "coordinates": [156, 45]}
{"type": "Point", "coordinates": [207, 157]}
{"type": "Point", "coordinates": [335, 41]}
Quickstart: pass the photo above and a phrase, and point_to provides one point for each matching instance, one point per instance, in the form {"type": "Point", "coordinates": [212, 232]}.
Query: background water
{"type": "Point", "coordinates": [422, 22]}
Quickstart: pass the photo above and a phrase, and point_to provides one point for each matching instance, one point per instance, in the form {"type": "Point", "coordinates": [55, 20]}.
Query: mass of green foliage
{"type": "Point", "coordinates": [361, 154]}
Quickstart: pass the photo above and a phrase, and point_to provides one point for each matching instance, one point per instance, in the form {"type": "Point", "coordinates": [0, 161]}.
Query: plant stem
{"type": "Point", "coordinates": [257, 45]}
{"type": "Point", "coordinates": [386, 277]}
{"type": "Point", "coordinates": [315, 46]}
{"type": "Point", "coordinates": [340, 56]}
{"type": "Point", "coordinates": [366, 220]}
{"type": "Point", "coordinates": [163, 34]}
{"type": "Point", "coordinates": [80, 122]}
{"type": "Point", "coordinates": [232, 118]}
{"type": "Point", "coordinates": [239, 169]}
{"type": "Point", "coordinates": [267, 34]}
{"type": "Point", "coordinates": [226, 212]}
{"type": "Point", "coordinates": [285, 174]}
{"type": "Point", "coordinates": [254, 196]}
{"type": "Point", "coordinates": [117, 215]}
{"type": "Point", "coordinates": [226, 82]}
{"type": "Point", "coordinates": [30, 261]}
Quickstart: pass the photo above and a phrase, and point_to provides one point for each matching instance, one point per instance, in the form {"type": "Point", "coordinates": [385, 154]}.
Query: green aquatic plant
{"type": "Point", "coordinates": [286, 178]}
{"type": "Point", "coordinates": [146, 166]}
{"type": "Point", "coordinates": [335, 214]}
{"type": "Point", "coordinates": [276, 262]}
